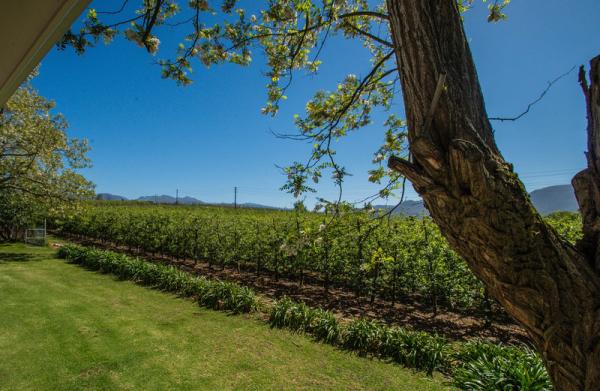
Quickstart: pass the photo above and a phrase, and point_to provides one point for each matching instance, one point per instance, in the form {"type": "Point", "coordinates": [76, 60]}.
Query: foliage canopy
{"type": "Point", "coordinates": [292, 35]}
{"type": "Point", "coordinates": [38, 161]}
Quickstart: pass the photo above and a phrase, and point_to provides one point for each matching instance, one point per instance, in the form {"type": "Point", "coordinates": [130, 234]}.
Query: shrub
{"type": "Point", "coordinates": [415, 349]}
{"type": "Point", "coordinates": [279, 313]}
{"type": "Point", "coordinates": [229, 296]}
{"type": "Point", "coordinates": [212, 294]}
{"type": "Point", "coordinates": [320, 323]}
{"type": "Point", "coordinates": [294, 316]}
{"type": "Point", "coordinates": [364, 336]}
{"type": "Point", "coordinates": [486, 366]}
{"type": "Point", "coordinates": [326, 327]}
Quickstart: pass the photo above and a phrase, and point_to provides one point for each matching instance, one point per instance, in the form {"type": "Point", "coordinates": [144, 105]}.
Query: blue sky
{"type": "Point", "coordinates": [149, 136]}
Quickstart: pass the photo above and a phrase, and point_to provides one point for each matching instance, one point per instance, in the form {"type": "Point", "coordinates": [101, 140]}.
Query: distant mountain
{"type": "Point", "coordinates": [406, 208]}
{"type": "Point", "coordinates": [110, 197]}
{"type": "Point", "coordinates": [189, 201]}
{"type": "Point", "coordinates": [167, 199]}
{"type": "Point", "coordinates": [546, 200]}
{"type": "Point", "coordinates": [158, 199]}
{"type": "Point", "coordinates": [554, 199]}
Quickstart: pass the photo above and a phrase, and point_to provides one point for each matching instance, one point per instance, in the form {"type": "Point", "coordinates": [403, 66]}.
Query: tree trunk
{"type": "Point", "coordinates": [587, 182]}
{"type": "Point", "coordinates": [551, 287]}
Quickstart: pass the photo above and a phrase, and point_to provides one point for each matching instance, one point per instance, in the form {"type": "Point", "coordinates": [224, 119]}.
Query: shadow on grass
{"type": "Point", "coordinates": [19, 257]}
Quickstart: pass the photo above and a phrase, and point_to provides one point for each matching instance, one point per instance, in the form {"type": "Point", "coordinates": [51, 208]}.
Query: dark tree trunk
{"type": "Point", "coordinates": [587, 182]}
{"type": "Point", "coordinates": [481, 206]}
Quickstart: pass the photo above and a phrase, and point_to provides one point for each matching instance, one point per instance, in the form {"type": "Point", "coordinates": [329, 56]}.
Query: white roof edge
{"type": "Point", "coordinates": [56, 26]}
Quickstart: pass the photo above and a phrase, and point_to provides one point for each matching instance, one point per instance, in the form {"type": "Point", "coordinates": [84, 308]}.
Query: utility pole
{"type": "Point", "coordinates": [176, 196]}
{"type": "Point", "coordinates": [235, 197]}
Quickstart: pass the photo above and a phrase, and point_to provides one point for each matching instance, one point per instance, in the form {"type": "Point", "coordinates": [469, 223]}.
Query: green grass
{"type": "Point", "coordinates": [63, 327]}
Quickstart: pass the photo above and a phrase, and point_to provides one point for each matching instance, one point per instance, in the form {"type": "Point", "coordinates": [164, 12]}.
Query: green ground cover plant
{"type": "Point", "coordinates": [486, 366]}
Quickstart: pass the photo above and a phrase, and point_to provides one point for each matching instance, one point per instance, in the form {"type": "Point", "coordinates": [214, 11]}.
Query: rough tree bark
{"type": "Point", "coordinates": [587, 182]}
{"type": "Point", "coordinates": [551, 287]}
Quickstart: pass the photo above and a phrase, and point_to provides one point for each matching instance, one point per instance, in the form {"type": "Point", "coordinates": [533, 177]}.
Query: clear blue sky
{"type": "Point", "coordinates": [149, 136]}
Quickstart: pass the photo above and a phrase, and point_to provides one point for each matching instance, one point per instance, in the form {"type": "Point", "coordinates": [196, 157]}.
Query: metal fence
{"type": "Point", "coordinates": [36, 236]}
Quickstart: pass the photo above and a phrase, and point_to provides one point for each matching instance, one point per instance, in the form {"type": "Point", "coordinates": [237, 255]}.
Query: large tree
{"type": "Point", "coordinates": [445, 147]}
{"type": "Point", "coordinates": [482, 208]}
{"type": "Point", "coordinates": [38, 163]}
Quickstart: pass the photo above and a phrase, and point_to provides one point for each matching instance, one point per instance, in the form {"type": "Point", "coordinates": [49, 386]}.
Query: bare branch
{"type": "Point", "coordinates": [175, 24]}
{"type": "Point", "coordinates": [104, 28]}
{"type": "Point", "coordinates": [530, 105]}
{"type": "Point", "coordinates": [330, 16]}
{"type": "Point", "coordinates": [114, 12]}
{"type": "Point", "coordinates": [339, 115]}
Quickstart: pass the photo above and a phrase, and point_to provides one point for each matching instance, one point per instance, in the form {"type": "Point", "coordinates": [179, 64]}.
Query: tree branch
{"type": "Point", "coordinates": [338, 116]}
{"type": "Point", "coordinates": [151, 23]}
{"type": "Point", "coordinates": [365, 13]}
{"type": "Point", "coordinates": [369, 35]}
{"type": "Point", "coordinates": [530, 105]}
{"type": "Point", "coordinates": [114, 12]}
{"type": "Point", "coordinates": [5, 155]}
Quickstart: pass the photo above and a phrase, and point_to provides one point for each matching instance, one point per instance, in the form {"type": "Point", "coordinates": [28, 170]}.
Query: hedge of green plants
{"type": "Point", "coordinates": [472, 366]}
{"type": "Point", "coordinates": [214, 294]}
{"type": "Point", "coordinates": [483, 366]}
{"type": "Point", "coordinates": [412, 349]}
{"type": "Point", "coordinates": [475, 365]}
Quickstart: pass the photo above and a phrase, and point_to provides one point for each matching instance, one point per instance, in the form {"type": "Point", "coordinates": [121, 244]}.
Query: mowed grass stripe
{"type": "Point", "coordinates": [63, 327]}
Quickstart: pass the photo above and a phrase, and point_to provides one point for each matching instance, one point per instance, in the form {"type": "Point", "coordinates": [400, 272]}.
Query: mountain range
{"type": "Point", "coordinates": [554, 198]}
{"type": "Point", "coordinates": [546, 200]}
{"type": "Point", "coordinates": [167, 199]}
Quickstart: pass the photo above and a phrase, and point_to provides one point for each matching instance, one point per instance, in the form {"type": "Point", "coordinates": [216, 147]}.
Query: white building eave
{"type": "Point", "coordinates": [28, 30]}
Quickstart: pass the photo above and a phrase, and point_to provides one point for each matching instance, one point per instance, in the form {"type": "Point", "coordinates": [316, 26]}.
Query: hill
{"type": "Point", "coordinates": [546, 200]}
{"type": "Point", "coordinates": [406, 208]}
{"type": "Point", "coordinates": [554, 198]}
{"type": "Point", "coordinates": [110, 197]}
{"type": "Point", "coordinates": [167, 199]}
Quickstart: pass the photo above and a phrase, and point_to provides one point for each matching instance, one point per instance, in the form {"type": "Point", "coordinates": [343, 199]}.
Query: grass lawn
{"type": "Point", "coordinates": [63, 327]}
